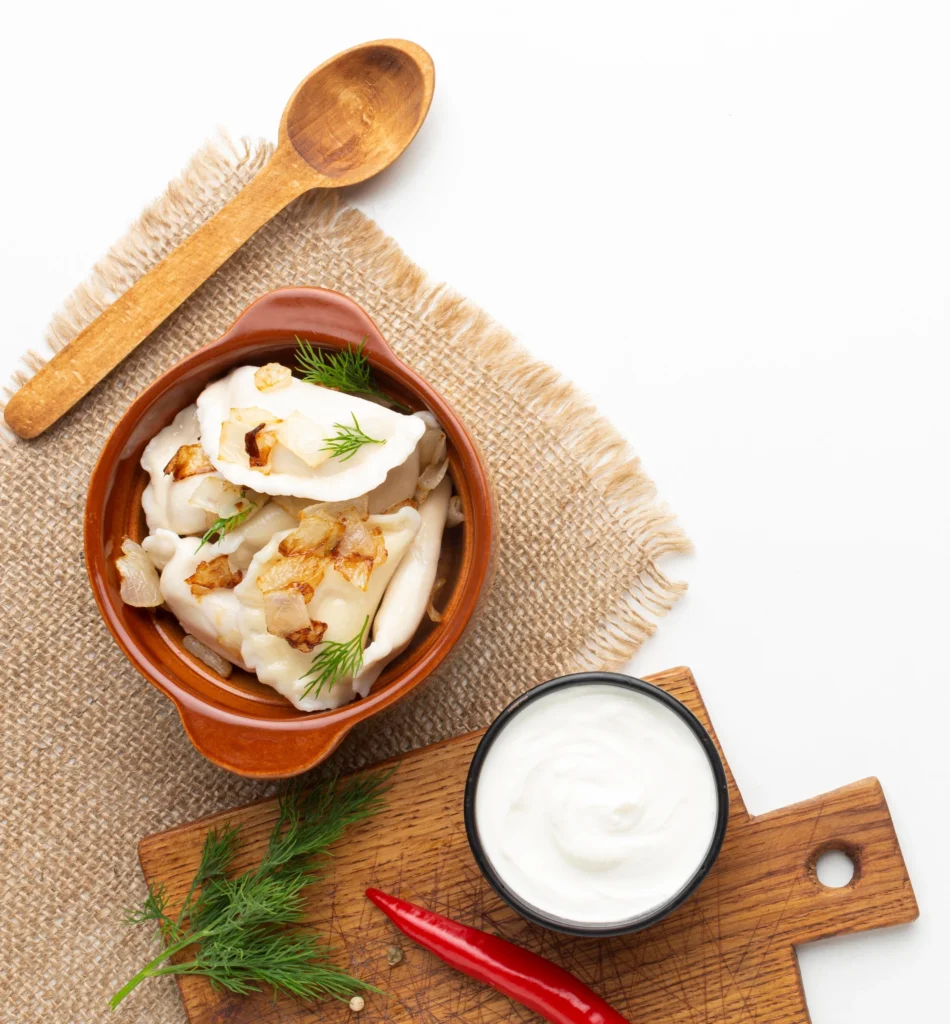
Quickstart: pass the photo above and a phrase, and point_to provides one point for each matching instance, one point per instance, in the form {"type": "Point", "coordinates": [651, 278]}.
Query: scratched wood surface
{"type": "Point", "coordinates": [727, 955]}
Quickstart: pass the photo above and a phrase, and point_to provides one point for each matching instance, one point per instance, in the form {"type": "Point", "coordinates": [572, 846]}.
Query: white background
{"type": "Point", "coordinates": [730, 223]}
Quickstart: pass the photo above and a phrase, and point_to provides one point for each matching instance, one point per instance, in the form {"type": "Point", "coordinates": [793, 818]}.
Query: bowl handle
{"type": "Point", "coordinates": [289, 312]}
{"type": "Point", "coordinates": [254, 750]}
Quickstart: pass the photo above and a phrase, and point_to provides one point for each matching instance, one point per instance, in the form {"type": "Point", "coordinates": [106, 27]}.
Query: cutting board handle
{"type": "Point", "coordinates": [854, 819]}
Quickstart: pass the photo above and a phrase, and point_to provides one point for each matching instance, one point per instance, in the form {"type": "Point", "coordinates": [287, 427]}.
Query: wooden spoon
{"type": "Point", "coordinates": [347, 121]}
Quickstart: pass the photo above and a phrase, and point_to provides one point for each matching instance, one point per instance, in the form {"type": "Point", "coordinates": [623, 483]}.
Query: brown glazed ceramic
{"type": "Point", "coordinates": [239, 723]}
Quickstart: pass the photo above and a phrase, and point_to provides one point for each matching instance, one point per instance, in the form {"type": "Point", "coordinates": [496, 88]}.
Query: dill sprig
{"type": "Point", "coordinates": [347, 441]}
{"type": "Point", "coordinates": [346, 370]}
{"type": "Point", "coordinates": [225, 524]}
{"type": "Point", "coordinates": [239, 932]}
{"type": "Point", "coordinates": [335, 661]}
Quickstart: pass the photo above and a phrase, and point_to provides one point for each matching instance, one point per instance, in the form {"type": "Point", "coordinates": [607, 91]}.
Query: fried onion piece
{"type": "Point", "coordinates": [430, 479]}
{"type": "Point", "coordinates": [358, 540]}
{"type": "Point", "coordinates": [306, 439]}
{"type": "Point", "coordinates": [285, 611]}
{"type": "Point", "coordinates": [432, 447]}
{"type": "Point", "coordinates": [306, 639]}
{"type": "Point", "coordinates": [272, 377]}
{"type": "Point", "coordinates": [189, 460]}
{"type": "Point", "coordinates": [258, 443]}
{"type": "Point", "coordinates": [140, 585]}
{"type": "Point", "coordinates": [303, 588]}
{"type": "Point", "coordinates": [215, 574]}
{"type": "Point", "coordinates": [360, 550]}
{"type": "Point", "coordinates": [232, 444]}
{"type": "Point", "coordinates": [315, 535]}
{"type": "Point", "coordinates": [297, 570]}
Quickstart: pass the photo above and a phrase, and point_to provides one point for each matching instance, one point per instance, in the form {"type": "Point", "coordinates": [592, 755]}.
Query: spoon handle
{"type": "Point", "coordinates": [101, 346]}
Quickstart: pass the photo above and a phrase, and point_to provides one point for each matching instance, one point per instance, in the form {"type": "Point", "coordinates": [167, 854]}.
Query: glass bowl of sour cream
{"type": "Point", "coordinates": [596, 804]}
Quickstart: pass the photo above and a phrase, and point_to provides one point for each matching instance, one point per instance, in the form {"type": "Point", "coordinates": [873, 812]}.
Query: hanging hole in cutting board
{"type": "Point", "coordinates": [835, 868]}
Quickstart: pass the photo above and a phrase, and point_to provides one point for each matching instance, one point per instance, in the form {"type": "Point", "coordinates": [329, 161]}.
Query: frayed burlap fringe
{"type": "Point", "coordinates": [593, 441]}
{"type": "Point", "coordinates": [94, 759]}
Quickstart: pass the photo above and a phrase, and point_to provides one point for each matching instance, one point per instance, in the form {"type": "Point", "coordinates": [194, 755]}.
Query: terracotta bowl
{"type": "Point", "coordinates": [238, 723]}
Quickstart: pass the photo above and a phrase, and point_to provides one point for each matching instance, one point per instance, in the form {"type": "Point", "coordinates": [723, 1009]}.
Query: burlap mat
{"type": "Point", "coordinates": [94, 758]}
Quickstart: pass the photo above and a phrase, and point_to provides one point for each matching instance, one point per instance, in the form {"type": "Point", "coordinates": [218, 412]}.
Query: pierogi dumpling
{"type": "Point", "coordinates": [166, 500]}
{"type": "Point", "coordinates": [342, 605]}
{"type": "Point", "coordinates": [296, 421]}
{"type": "Point", "coordinates": [407, 595]}
{"type": "Point", "coordinates": [212, 616]}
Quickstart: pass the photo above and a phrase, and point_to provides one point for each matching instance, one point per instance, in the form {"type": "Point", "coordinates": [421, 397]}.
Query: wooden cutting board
{"type": "Point", "coordinates": [727, 955]}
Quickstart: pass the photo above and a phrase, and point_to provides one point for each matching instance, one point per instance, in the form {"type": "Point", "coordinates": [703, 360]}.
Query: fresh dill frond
{"type": "Point", "coordinates": [153, 909]}
{"type": "Point", "coordinates": [288, 962]}
{"type": "Point", "coordinates": [224, 525]}
{"type": "Point", "coordinates": [335, 661]}
{"type": "Point", "coordinates": [243, 933]}
{"type": "Point", "coordinates": [305, 825]}
{"type": "Point", "coordinates": [218, 851]}
{"type": "Point", "coordinates": [346, 370]}
{"type": "Point", "coordinates": [347, 441]}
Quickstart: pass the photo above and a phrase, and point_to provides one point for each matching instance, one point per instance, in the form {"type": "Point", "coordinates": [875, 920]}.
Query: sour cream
{"type": "Point", "coordinates": [596, 803]}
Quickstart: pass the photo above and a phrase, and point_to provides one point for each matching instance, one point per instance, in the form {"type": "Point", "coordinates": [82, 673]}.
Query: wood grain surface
{"type": "Point", "coordinates": [727, 955]}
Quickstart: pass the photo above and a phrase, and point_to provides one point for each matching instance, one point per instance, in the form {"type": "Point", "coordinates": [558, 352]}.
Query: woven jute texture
{"type": "Point", "coordinates": [94, 758]}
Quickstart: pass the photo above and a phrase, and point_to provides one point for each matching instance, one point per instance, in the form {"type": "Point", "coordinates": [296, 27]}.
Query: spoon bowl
{"type": "Point", "coordinates": [356, 113]}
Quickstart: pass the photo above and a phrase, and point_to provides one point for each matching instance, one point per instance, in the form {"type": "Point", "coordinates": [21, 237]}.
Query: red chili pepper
{"type": "Point", "coordinates": [529, 979]}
